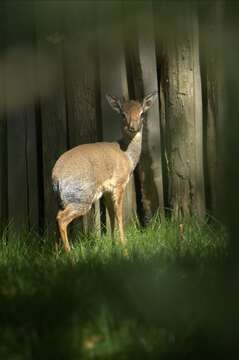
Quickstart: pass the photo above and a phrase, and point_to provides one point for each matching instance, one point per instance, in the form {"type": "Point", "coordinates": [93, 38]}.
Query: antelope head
{"type": "Point", "coordinates": [132, 112]}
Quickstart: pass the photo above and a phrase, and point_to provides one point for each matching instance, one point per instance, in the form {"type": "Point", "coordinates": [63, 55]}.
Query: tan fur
{"type": "Point", "coordinates": [111, 168]}
{"type": "Point", "coordinates": [83, 174]}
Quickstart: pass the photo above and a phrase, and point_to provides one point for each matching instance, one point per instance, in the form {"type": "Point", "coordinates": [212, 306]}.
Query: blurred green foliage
{"type": "Point", "coordinates": [163, 297]}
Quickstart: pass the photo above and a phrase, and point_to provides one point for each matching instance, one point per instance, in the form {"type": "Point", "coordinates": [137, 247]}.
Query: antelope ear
{"type": "Point", "coordinates": [114, 102]}
{"type": "Point", "coordinates": [149, 100]}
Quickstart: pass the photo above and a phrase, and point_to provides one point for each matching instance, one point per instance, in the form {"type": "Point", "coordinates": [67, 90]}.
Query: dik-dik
{"type": "Point", "coordinates": [83, 174]}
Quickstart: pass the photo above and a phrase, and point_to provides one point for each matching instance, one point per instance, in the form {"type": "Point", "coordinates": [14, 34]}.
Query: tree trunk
{"type": "Point", "coordinates": [3, 130]}
{"type": "Point", "coordinates": [20, 114]}
{"type": "Point", "coordinates": [231, 125]}
{"type": "Point", "coordinates": [113, 80]}
{"type": "Point", "coordinates": [211, 37]}
{"type": "Point", "coordinates": [50, 78]}
{"type": "Point", "coordinates": [142, 77]}
{"type": "Point", "coordinates": [183, 131]}
{"type": "Point", "coordinates": [81, 95]}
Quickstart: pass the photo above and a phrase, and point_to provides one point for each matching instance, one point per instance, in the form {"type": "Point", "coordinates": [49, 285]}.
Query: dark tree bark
{"type": "Point", "coordinates": [142, 76]}
{"type": "Point", "coordinates": [211, 40]}
{"type": "Point", "coordinates": [183, 127]}
{"type": "Point", "coordinates": [20, 115]}
{"type": "Point", "coordinates": [50, 78]}
{"type": "Point", "coordinates": [113, 80]}
{"type": "Point", "coordinates": [231, 125]}
{"type": "Point", "coordinates": [81, 78]}
{"type": "Point", "coordinates": [3, 129]}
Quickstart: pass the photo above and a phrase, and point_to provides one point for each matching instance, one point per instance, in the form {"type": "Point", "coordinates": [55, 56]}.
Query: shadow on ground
{"type": "Point", "coordinates": [116, 310]}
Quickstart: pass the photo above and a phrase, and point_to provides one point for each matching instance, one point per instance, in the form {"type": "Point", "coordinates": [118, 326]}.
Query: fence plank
{"type": "Point", "coordinates": [81, 92]}
{"type": "Point", "coordinates": [113, 78]}
{"type": "Point", "coordinates": [51, 91]}
{"type": "Point", "coordinates": [22, 174]}
{"type": "Point", "coordinates": [143, 72]}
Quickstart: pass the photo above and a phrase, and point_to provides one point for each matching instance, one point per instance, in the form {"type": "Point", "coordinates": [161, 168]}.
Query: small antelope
{"type": "Point", "coordinates": [86, 172]}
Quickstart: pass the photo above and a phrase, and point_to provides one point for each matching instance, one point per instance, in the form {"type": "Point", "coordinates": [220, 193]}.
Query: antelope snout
{"type": "Point", "coordinates": [134, 127]}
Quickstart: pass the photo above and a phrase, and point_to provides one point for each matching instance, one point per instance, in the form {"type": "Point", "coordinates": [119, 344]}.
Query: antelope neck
{"type": "Point", "coordinates": [132, 147]}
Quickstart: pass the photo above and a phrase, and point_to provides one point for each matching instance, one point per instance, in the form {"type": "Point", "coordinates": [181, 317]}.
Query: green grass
{"type": "Point", "coordinates": [164, 298]}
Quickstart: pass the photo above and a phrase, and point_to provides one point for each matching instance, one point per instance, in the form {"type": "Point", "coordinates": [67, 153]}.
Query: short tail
{"type": "Point", "coordinates": [56, 189]}
{"type": "Point", "coordinates": [55, 185]}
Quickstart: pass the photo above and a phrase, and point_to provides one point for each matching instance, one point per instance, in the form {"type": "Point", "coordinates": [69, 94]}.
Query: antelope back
{"type": "Point", "coordinates": [87, 171]}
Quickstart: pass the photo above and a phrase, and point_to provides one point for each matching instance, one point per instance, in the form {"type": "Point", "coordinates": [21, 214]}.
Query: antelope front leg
{"type": "Point", "coordinates": [118, 206]}
{"type": "Point", "coordinates": [110, 207]}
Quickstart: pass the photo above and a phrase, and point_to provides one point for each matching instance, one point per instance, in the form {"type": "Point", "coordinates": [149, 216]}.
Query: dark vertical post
{"type": "Point", "coordinates": [50, 79]}
{"type": "Point", "coordinates": [212, 70]}
{"type": "Point", "coordinates": [80, 71]}
{"type": "Point", "coordinates": [113, 78]}
{"type": "Point", "coordinates": [231, 124]}
{"type": "Point", "coordinates": [143, 71]}
{"type": "Point", "coordinates": [20, 115]}
{"type": "Point", "coordinates": [183, 127]}
{"type": "Point", "coordinates": [3, 127]}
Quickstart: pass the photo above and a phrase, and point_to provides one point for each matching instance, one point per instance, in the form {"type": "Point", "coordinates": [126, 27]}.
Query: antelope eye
{"type": "Point", "coordinates": [142, 117]}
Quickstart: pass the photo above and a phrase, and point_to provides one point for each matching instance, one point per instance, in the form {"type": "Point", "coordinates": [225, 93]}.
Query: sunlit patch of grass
{"type": "Point", "coordinates": [169, 240]}
{"type": "Point", "coordinates": [160, 297]}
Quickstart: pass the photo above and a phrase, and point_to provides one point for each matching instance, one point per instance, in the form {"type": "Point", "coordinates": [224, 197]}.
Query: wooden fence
{"type": "Point", "coordinates": [58, 59]}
